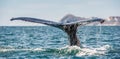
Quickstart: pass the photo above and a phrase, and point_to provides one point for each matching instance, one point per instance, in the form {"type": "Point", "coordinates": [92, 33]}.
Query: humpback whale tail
{"type": "Point", "coordinates": [68, 24]}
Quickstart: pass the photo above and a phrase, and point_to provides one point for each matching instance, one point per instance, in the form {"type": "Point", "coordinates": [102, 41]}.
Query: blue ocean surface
{"type": "Point", "coordinates": [45, 42]}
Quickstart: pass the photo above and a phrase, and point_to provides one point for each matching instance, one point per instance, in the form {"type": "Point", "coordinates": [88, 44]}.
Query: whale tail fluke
{"type": "Point", "coordinates": [56, 24]}
{"type": "Point", "coordinates": [69, 28]}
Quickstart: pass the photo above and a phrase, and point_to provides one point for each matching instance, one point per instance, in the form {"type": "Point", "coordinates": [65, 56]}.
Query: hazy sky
{"type": "Point", "coordinates": [54, 10]}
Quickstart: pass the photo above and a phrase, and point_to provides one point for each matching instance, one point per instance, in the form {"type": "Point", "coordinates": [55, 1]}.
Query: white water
{"type": "Point", "coordinates": [13, 49]}
{"type": "Point", "coordinates": [67, 50]}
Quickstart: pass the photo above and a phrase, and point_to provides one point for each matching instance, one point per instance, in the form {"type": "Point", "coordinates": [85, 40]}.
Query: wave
{"type": "Point", "coordinates": [14, 49]}
{"type": "Point", "coordinates": [67, 50]}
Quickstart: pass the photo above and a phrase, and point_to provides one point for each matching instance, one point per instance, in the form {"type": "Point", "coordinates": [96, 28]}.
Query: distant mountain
{"type": "Point", "coordinates": [112, 20]}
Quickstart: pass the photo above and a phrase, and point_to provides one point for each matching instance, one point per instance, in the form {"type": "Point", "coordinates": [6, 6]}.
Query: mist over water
{"type": "Point", "coordinates": [46, 42]}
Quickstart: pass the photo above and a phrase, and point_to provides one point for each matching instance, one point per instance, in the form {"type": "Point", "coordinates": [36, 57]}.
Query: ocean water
{"type": "Point", "coordinates": [45, 42]}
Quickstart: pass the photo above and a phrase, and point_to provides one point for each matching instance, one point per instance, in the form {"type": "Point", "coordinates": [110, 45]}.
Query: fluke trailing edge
{"type": "Point", "coordinates": [68, 24]}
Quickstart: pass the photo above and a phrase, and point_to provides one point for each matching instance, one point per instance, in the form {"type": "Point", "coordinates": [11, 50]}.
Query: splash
{"type": "Point", "coordinates": [85, 51]}
{"type": "Point", "coordinates": [67, 50]}
{"type": "Point", "coordinates": [93, 51]}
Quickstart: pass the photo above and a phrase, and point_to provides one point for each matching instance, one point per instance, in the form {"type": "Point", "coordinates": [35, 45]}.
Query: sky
{"type": "Point", "coordinates": [54, 10]}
